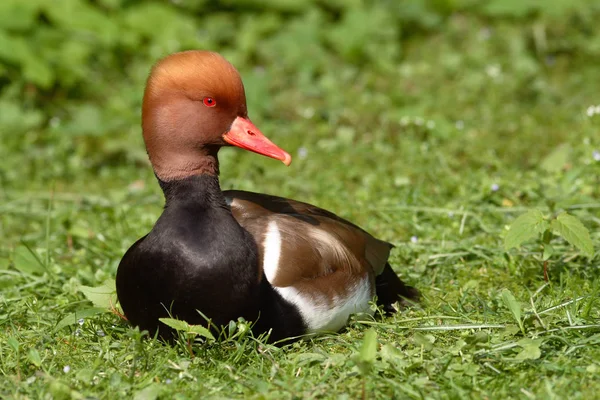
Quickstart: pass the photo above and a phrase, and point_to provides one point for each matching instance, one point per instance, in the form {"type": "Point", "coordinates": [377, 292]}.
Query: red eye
{"type": "Point", "coordinates": [209, 102]}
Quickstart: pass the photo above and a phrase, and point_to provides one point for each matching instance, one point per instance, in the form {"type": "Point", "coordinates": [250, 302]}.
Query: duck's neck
{"type": "Point", "coordinates": [181, 164]}
{"type": "Point", "coordinates": [201, 190]}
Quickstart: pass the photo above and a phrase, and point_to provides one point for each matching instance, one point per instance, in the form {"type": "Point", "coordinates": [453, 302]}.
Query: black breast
{"type": "Point", "coordinates": [197, 259]}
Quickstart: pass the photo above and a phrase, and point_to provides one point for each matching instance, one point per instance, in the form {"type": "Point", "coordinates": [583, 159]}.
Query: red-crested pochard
{"type": "Point", "coordinates": [290, 266]}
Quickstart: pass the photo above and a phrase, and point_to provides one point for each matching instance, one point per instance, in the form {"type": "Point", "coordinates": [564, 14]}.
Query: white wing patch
{"type": "Point", "coordinates": [272, 251]}
{"type": "Point", "coordinates": [320, 313]}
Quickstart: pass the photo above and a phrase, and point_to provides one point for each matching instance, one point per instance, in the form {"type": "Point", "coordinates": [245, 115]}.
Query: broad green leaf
{"type": "Point", "coordinates": [548, 251]}
{"type": "Point", "coordinates": [73, 318]}
{"type": "Point", "coordinates": [16, 118]}
{"type": "Point", "coordinates": [201, 331]}
{"type": "Point", "coordinates": [148, 393]}
{"type": "Point", "coordinates": [83, 18]}
{"type": "Point", "coordinates": [38, 73]}
{"type": "Point", "coordinates": [232, 328]}
{"type": "Point", "coordinates": [34, 357]}
{"type": "Point", "coordinates": [368, 350]}
{"type": "Point", "coordinates": [423, 340]}
{"type": "Point", "coordinates": [26, 261]}
{"type": "Point", "coordinates": [18, 15]}
{"type": "Point", "coordinates": [556, 160]}
{"type": "Point", "coordinates": [176, 324]}
{"type": "Point", "coordinates": [513, 305]}
{"type": "Point", "coordinates": [14, 48]}
{"type": "Point", "coordinates": [530, 349]}
{"type": "Point", "coordinates": [59, 390]}
{"type": "Point", "coordinates": [525, 227]}
{"type": "Point", "coordinates": [393, 356]}
{"type": "Point", "coordinates": [183, 326]}
{"type": "Point", "coordinates": [103, 296]}
{"type": "Point", "coordinates": [14, 343]}
{"type": "Point", "coordinates": [547, 236]}
{"type": "Point", "coordinates": [574, 232]}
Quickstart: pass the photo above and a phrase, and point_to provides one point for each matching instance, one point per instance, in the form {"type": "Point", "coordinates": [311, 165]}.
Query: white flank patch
{"type": "Point", "coordinates": [272, 251]}
{"type": "Point", "coordinates": [322, 316]}
{"type": "Point", "coordinates": [318, 312]}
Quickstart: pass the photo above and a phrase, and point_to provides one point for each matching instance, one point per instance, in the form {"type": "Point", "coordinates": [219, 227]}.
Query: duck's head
{"type": "Point", "coordinates": [194, 104]}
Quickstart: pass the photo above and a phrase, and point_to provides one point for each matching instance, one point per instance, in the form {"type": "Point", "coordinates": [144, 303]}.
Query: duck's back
{"type": "Point", "coordinates": [322, 264]}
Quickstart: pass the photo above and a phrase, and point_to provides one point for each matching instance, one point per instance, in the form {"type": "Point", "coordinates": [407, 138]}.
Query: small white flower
{"type": "Point", "coordinates": [596, 155]}
{"type": "Point", "coordinates": [495, 187]}
{"type": "Point", "coordinates": [100, 333]}
{"type": "Point", "coordinates": [80, 321]}
{"type": "Point", "coordinates": [419, 121]}
{"type": "Point", "coordinates": [430, 124]}
{"type": "Point", "coordinates": [450, 214]}
{"type": "Point", "coordinates": [591, 110]}
{"type": "Point", "coordinates": [168, 381]}
{"type": "Point", "coordinates": [54, 122]}
{"type": "Point", "coordinates": [66, 369]}
{"type": "Point", "coordinates": [460, 124]}
{"type": "Point", "coordinates": [308, 112]}
{"type": "Point", "coordinates": [77, 332]}
{"type": "Point", "coordinates": [414, 239]}
{"type": "Point", "coordinates": [493, 70]}
{"type": "Point", "coordinates": [302, 152]}
{"type": "Point", "coordinates": [485, 33]}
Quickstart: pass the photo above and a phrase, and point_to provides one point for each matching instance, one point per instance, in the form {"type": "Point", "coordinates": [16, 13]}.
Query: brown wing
{"type": "Point", "coordinates": [315, 243]}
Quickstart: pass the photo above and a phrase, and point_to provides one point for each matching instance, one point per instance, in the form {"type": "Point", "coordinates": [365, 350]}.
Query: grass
{"type": "Point", "coordinates": [437, 155]}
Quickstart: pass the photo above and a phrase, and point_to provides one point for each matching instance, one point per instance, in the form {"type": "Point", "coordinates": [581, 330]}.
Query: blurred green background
{"type": "Point", "coordinates": [72, 71]}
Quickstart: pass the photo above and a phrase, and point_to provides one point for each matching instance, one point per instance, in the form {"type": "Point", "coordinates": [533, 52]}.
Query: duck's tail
{"type": "Point", "coordinates": [391, 289]}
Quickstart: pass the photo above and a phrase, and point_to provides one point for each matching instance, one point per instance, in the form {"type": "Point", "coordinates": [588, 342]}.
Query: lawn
{"type": "Point", "coordinates": [432, 124]}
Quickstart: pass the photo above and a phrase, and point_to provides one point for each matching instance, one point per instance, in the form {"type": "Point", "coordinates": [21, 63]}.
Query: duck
{"type": "Point", "coordinates": [214, 256]}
